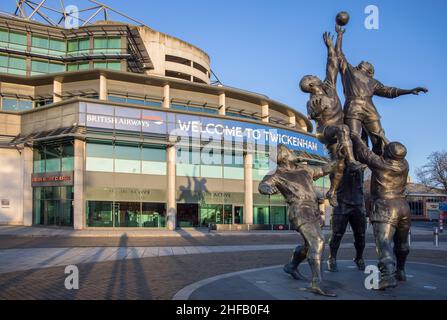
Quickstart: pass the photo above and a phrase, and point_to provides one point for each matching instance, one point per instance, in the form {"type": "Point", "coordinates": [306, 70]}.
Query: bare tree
{"type": "Point", "coordinates": [434, 173]}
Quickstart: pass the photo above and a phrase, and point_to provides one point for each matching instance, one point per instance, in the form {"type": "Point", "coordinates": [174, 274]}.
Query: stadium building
{"type": "Point", "coordinates": [116, 125]}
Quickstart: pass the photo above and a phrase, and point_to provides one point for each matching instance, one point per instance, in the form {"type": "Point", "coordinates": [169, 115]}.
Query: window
{"type": "Point", "coordinates": [110, 45]}
{"type": "Point", "coordinates": [53, 158]}
{"type": "Point", "coordinates": [44, 67]}
{"type": "Point", "coordinates": [178, 75]}
{"type": "Point", "coordinates": [200, 67]}
{"type": "Point", "coordinates": [197, 80]}
{"type": "Point", "coordinates": [178, 60]}
{"type": "Point", "coordinates": [78, 47]}
{"type": "Point", "coordinates": [13, 40]}
{"type": "Point", "coordinates": [12, 64]}
{"type": "Point", "coordinates": [78, 66]}
{"type": "Point", "coordinates": [13, 104]}
{"type": "Point", "coordinates": [126, 158]}
{"type": "Point", "coordinates": [113, 65]}
{"type": "Point", "coordinates": [100, 156]}
{"type": "Point", "coordinates": [47, 46]}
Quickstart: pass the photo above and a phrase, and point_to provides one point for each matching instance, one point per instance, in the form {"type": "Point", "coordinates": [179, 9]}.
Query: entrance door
{"type": "Point", "coordinates": [238, 215]}
{"type": "Point", "coordinates": [187, 215]}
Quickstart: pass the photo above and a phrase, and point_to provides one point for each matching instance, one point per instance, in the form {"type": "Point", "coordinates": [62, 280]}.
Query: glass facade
{"type": "Point", "coordinates": [12, 40]}
{"type": "Point", "coordinates": [113, 65]}
{"type": "Point", "coordinates": [12, 64]}
{"type": "Point", "coordinates": [44, 67]}
{"type": "Point", "coordinates": [47, 46]}
{"type": "Point", "coordinates": [134, 100]}
{"type": "Point", "coordinates": [105, 156]}
{"type": "Point", "coordinates": [215, 214]}
{"type": "Point", "coordinates": [53, 157]}
{"type": "Point", "coordinates": [53, 206]}
{"type": "Point", "coordinates": [104, 45]}
{"type": "Point", "coordinates": [210, 163]}
{"type": "Point", "coordinates": [14, 104]}
{"type": "Point", "coordinates": [124, 214]}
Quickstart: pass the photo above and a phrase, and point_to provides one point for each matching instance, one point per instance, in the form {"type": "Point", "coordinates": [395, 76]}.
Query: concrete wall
{"type": "Point", "coordinates": [158, 45]}
{"type": "Point", "coordinates": [11, 186]}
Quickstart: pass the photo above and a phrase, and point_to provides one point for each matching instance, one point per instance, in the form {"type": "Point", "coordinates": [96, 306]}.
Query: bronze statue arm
{"type": "Point", "coordinates": [365, 155]}
{"type": "Point", "coordinates": [268, 185]}
{"type": "Point", "coordinates": [332, 61]}
{"type": "Point", "coordinates": [342, 62]}
{"type": "Point", "coordinates": [393, 92]}
{"type": "Point", "coordinates": [324, 170]}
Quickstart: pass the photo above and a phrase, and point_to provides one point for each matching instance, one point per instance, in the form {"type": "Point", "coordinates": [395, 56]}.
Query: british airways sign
{"type": "Point", "coordinates": [200, 127]}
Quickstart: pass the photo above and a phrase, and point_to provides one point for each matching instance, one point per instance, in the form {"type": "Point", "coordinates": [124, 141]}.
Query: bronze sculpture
{"type": "Point", "coordinates": [350, 209]}
{"type": "Point", "coordinates": [294, 180]}
{"type": "Point", "coordinates": [359, 87]}
{"type": "Point", "coordinates": [391, 213]}
{"type": "Point", "coordinates": [324, 107]}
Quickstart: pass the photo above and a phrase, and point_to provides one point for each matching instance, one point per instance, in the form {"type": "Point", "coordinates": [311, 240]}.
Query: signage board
{"type": "Point", "coordinates": [53, 179]}
{"type": "Point", "coordinates": [204, 128]}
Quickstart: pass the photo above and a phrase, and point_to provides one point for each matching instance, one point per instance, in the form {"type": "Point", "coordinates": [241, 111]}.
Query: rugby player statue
{"type": "Point", "coordinates": [294, 180]}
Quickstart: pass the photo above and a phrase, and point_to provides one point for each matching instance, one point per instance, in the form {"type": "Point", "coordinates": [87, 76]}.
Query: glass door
{"type": "Point", "coordinates": [238, 215]}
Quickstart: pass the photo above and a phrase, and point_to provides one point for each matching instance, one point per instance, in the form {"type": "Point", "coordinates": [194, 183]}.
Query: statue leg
{"type": "Point", "coordinates": [335, 176]}
{"type": "Point", "coordinates": [384, 233]}
{"type": "Point", "coordinates": [298, 256]}
{"type": "Point", "coordinates": [402, 247]}
{"type": "Point", "coordinates": [357, 220]}
{"type": "Point", "coordinates": [338, 224]}
{"type": "Point", "coordinates": [311, 231]}
{"type": "Point", "coordinates": [377, 136]}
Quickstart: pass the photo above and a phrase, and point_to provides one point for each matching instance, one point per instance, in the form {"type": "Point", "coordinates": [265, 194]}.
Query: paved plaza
{"type": "Point", "coordinates": [126, 266]}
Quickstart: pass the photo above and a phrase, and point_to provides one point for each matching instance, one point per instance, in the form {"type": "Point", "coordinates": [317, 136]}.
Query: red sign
{"type": "Point", "coordinates": [51, 179]}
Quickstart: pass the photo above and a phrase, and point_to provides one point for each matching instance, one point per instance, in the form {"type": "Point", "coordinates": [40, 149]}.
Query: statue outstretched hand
{"type": "Point", "coordinates": [328, 39]}
{"type": "Point", "coordinates": [416, 91]}
{"type": "Point", "coordinates": [340, 30]}
{"type": "Point", "coordinates": [267, 189]}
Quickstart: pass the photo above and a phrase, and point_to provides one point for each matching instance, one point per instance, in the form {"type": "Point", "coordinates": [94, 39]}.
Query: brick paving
{"type": "Point", "coordinates": [154, 278]}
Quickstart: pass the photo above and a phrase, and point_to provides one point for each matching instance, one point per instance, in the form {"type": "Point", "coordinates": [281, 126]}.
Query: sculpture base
{"type": "Point", "coordinates": [425, 282]}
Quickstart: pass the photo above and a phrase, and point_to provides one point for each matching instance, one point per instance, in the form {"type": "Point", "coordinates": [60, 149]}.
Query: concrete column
{"type": "Point", "coordinates": [27, 169]}
{"type": "Point", "coordinates": [102, 87]}
{"type": "Point", "coordinates": [248, 188]}
{"type": "Point", "coordinates": [265, 112]}
{"type": "Point", "coordinates": [166, 96]}
{"type": "Point", "coordinates": [78, 179]}
{"type": "Point", "coordinates": [222, 104]}
{"type": "Point", "coordinates": [171, 200]}
{"type": "Point", "coordinates": [57, 91]}
{"type": "Point", "coordinates": [292, 121]}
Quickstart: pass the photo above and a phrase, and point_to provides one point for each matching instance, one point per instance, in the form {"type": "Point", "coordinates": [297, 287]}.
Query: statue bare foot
{"type": "Point", "coordinates": [319, 290]}
{"type": "Point", "coordinates": [294, 272]}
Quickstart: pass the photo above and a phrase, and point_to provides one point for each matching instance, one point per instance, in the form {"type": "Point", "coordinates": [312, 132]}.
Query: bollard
{"type": "Point", "coordinates": [436, 240]}
{"type": "Point", "coordinates": [409, 238]}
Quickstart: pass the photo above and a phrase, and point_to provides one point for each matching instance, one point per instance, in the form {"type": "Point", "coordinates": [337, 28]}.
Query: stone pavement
{"type": "Point", "coordinates": [36, 258]}
{"type": "Point", "coordinates": [20, 231]}
{"type": "Point", "coordinates": [425, 282]}
{"type": "Point", "coordinates": [158, 278]}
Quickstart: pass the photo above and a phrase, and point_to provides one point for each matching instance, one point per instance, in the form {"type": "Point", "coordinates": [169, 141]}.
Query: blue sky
{"type": "Point", "coordinates": [267, 46]}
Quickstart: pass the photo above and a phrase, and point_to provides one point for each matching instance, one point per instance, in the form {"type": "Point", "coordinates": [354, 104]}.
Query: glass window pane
{"type": "Point", "coordinates": [53, 158]}
{"type": "Point", "coordinates": [84, 44]}
{"type": "Point", "coordinates": [127, 166]}
{"type": "Point", "coordinates": [17, 63]}
{"type": "Point", "coordinates": [153, 154]}
{"type": "Point", "coordinates": [25, 105]}
{"type": "Point", "coordinates": [115, 66]}
{"type": "Point", "coordinates": [100, 150]}
{"type": "Point", "coordinates": [57, 45]}
{"type": "Point", "coordinates": [4, 37]}
{"type": "Point", "coordinates": [72, 67]}
{"type": "Point", "coordinates": [39, 66]}
{"type": "Point", "coordinates": [10, 104]}
{"type": "Point", "coordinates": [261, 215]}
{"type": "Point", "coordinates": [128, 152]}
{"type": "Point", "coordinates": [40, 42]}
{"type": "Point", "coordinates": [155, 168]}
{"type": "Point", "coordinates": [99, 214]}
{"type": "Point", "coordinates": [99, 164]}
{"type": "Point", "coordinates": [3, 60]}
{"type": "Point", "coordinates": [114, 43]}
{"type": "Point", "coordinates": [56, 67]}
{"type": "Point", "coordinates": [100, 65]}
{"type": "Point", "coordinates": [72, 45]}
{"type": "Point", "coordinates": [153, 215]}
{"type": "Point", "coordinates": [211, 171]}
{"type": "Point", "coordinates": [83, 66]}
{"type": "Point", "coordinates": [17, 38]}
{"type": "Point", "coordinates": [100, 44]}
